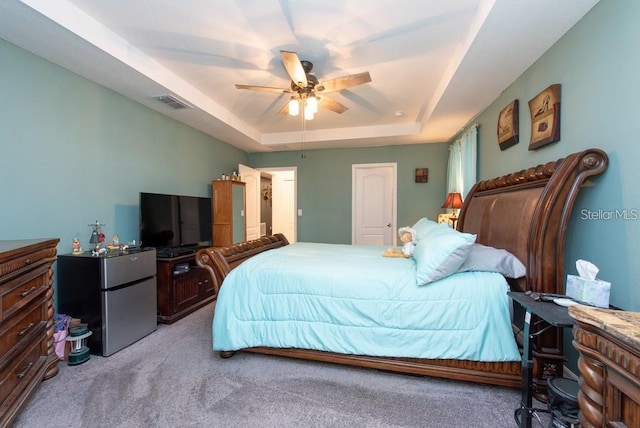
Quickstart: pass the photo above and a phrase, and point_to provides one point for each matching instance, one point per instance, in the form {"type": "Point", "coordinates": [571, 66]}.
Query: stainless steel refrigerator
{"type": "Point", "coordinates": [115, 294]}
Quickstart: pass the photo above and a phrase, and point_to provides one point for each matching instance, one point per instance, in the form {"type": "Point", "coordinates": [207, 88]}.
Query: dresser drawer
{"type": "Point", "coordinates": [26, 321]}
{"type": "Point", "coordinates": [14, 266]}
{"type": "Point", "coordinates": [22, 327]}
{"type": "Point", "coordinates": [19, 292]}
{"type": "Point", "coordinates": [16, 375]}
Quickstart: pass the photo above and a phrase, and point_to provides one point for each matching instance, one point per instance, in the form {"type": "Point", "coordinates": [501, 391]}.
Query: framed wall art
{"type": "Point", "coordinates": [545, 117]}
{"type": "Point", "coordinates": [422, 175]}
{"type": "Point", "coordinates": [508, 128]}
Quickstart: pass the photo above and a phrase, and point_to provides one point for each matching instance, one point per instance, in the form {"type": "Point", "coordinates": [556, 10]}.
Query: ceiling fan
{"type": "Point", "coordinates": [307, 90]}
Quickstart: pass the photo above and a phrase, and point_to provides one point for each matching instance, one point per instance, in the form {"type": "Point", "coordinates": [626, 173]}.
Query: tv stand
{"type": "Point", "coordinates": [183, 287]}
{"type": "Point", "coordinates": [172, 252]}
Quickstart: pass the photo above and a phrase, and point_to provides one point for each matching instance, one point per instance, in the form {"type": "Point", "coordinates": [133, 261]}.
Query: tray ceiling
{"type": "Point", "coordinates": [434, 64]}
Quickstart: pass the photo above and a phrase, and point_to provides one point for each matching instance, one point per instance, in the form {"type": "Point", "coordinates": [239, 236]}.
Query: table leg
{"type": "Point", "coordinates": [526, 403]}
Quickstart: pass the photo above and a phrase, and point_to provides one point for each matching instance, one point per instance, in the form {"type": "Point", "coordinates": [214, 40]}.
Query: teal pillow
{"type": "Point", "coordinates": [441, 253]}
{"type": "Point", "coordinates": [423, 227]}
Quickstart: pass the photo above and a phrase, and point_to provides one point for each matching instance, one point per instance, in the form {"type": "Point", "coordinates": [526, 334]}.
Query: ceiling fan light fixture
{"type": "Point", "coordinates": [312, 104]}
{"type": "Point", "coordinates": [308, 114]}
{"type": "Point", "coordinates": [294, 107]}
{"type": "Point", "coordinates": [304, 85]}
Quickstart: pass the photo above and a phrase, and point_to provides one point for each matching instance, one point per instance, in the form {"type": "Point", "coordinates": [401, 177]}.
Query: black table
{"type": "Point", "coordinates": [555, 316]}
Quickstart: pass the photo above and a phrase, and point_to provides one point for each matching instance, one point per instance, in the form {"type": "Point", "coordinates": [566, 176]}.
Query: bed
{"type": "Point", "coordinates": [525, 213]}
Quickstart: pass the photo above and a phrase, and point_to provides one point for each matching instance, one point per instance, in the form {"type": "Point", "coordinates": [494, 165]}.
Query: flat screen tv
{"type": "Point", "coordinates": [174, 220]}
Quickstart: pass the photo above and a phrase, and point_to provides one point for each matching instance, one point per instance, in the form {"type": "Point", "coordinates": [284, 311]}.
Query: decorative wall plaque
{"type": "Point", "coordinates": [545, 117]}
{"type": "Point", "coordinates": [422, 175]}
{"type": "Point", "coordinates": [508, 127]}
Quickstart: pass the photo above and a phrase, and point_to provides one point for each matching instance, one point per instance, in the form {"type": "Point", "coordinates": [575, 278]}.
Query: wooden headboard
{"type": "Point", "coordinates": [527, 213]}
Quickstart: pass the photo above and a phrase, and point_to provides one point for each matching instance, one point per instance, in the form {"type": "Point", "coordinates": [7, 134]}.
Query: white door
{"type": "Point", "coordinates": [284, 211]}
{"type": "Point", "coordinates": [251, 178]}
{"type": "Point", "coordinates": [374, 204]}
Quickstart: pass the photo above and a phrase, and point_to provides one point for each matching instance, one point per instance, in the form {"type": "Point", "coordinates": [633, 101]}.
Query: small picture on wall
{"type": "Point", "coordinates": [545, 117]}
{"type": "Point", "coordinates": [508, 128]}
{"type": "Point", "coordinates": [422, 175]}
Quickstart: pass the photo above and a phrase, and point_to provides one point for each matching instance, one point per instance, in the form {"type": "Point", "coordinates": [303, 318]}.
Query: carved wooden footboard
{"type": "Point", "coordinates": [527, 213]}
{"type": "Point", "coordinates": [220, 260]}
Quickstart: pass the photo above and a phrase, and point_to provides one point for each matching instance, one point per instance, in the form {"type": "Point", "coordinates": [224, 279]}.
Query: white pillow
{"type": "Point", "coordinates": [441, 253]}
{"type": "Point", "coordinates": [489, 259]}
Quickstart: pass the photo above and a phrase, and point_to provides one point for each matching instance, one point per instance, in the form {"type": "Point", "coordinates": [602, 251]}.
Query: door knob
{"type": "Point", "coordinates": [389, 225]}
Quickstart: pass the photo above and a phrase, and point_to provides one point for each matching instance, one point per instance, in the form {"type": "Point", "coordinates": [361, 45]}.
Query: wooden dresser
{"type": "Point", "coordinates": [27, 355]}
{"type": "Point", "coordinates": [609, 363]}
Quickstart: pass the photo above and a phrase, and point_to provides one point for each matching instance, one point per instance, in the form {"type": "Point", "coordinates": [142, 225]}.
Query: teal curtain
{"type": "Point", "coordinates": [462, 169]}
{"type": "Point", "coordinates": [454, 169]}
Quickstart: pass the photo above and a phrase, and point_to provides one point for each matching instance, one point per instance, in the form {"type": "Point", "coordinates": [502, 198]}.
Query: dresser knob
{"type": "Point", "coordinates": [24, 372]}
{"type": "Point", "coordinates": [24, 330]}
{"type": "Point", "coordinates": [25, 293]}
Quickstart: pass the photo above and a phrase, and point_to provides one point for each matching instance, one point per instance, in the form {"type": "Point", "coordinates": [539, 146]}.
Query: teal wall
{"type": "Point", "coordinates": [597, 64]}
{"type": "Point", "coordinates": [73, 152]}
{"type": "Point", "coordinates": [324, 185]}
{"type": "Point", "coordinates": [598, 70]}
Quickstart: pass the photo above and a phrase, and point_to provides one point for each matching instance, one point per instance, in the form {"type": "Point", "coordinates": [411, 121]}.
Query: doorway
{"type": "Point", "coordinates": [282, 201]}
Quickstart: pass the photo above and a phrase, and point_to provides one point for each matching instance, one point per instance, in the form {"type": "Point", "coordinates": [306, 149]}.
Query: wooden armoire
{"type": "Point", "coordinates": [228, 208]}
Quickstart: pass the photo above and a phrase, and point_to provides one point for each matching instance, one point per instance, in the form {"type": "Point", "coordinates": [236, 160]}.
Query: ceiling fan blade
{"type": "Point", "coordinates": [344, 82]}
{"type": "Point", "coordinates": [284, 110]}
{"type": "Point", "coordinates": [294, 68]}
{"type": "Point", "coordinates": [332, 105]}
{"type": "Point", "coordinates": [263, 88]}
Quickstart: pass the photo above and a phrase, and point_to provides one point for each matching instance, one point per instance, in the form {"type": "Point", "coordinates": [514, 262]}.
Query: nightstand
{"type": "Point", "coordinates": [609, 345]}
{"type": "Point", "coordinates": [554, 316]}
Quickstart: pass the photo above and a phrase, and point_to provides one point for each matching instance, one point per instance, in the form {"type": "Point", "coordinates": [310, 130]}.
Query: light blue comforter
{"type": "Point", "coordinates": [351, 300]}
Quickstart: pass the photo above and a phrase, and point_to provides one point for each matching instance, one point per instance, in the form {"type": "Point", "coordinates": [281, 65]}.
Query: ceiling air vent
{"type": "Point", "coordinates": [173, 102]}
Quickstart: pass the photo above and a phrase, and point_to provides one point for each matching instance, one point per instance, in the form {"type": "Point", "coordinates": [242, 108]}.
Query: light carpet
{"type": "Point", "coordinates": [172, 378]}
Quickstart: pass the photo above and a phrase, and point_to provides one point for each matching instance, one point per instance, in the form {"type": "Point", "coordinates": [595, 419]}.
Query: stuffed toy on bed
{"type": "Point", "coordinates": [407, 236]}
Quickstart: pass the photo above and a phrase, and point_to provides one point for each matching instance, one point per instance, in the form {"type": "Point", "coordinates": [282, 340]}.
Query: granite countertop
{"type": "Point", "coordinates": [624, 325]}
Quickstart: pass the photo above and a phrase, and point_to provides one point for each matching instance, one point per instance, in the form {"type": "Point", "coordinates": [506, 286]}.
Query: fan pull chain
{"type": "Point", "coordinates": [304, 130]}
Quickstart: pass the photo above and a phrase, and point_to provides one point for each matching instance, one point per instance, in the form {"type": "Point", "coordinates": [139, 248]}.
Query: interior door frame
{"type": "Point", "coordinates": [394, 198]}
{"type": "Point", "coordinates": [294, 170]}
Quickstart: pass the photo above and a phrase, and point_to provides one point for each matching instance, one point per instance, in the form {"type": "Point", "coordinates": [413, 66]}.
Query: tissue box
{"type": "Point", "coordinates": [591, 291]}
